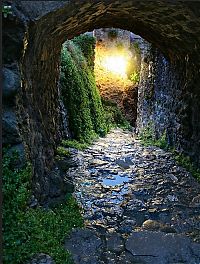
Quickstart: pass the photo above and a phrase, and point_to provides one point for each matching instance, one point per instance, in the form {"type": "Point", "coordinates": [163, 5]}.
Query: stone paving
{"type": "Point", "coordinates": [139, 206]}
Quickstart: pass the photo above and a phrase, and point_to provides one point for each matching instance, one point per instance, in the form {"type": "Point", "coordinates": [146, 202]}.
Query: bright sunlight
{"type": "Point", "coordinates": [116, 64]}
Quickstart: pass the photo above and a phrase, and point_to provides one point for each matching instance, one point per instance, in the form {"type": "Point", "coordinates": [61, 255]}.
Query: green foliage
{"type": "Point", "coordinates": [61, 151]}
{"type": "Point", "coordinates": [186, 162]}
{"type": "Point", "coordinates": [87, 45]}
{"type": "Point", "coordinates": [29, 231]}
{"type": "Point", "coordinates": [112, 33]}
{"type": "Point", "coordinates": [74, 144]}
{"type": "Point", "coordinates": [114, 116]}
{"type": "Point", "coordinates": [6, 10]}
{"type": "Point", "coordinates": [80, 94]}
{"type": "Point", "coordinates": [147, 137]}
{"type": "Point", "coordinates": [135, 77]}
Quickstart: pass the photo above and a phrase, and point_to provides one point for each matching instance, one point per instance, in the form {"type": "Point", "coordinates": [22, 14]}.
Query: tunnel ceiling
{"type": "Point", "coordinates": [173, 26]}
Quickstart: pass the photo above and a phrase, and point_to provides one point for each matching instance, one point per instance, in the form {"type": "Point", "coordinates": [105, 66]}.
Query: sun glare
{"type": "Point", "coordinates": [116, 64]}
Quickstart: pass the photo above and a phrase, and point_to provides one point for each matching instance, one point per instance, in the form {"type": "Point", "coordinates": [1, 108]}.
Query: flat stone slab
{"type": "Point", "coordinates": [83, 245]}
{"type": "Point", "coordinates": [161, 248]}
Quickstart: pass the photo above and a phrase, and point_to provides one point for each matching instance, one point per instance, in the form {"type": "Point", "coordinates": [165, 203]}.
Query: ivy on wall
{"type": "Point", "coordinates": [78, 90]}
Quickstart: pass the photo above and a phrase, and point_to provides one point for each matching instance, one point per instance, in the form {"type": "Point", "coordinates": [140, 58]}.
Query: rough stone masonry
{"type": "Point", "coordinates": [32, 39]}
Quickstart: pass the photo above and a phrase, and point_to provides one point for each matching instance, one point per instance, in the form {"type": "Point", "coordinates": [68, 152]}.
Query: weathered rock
{"type": "Point", "coordinates": [42, 259]}
{"type": "Point", "coordinates": [65, 163]}
{"type": "Point", "coordinates": [20, 156]}
{"type": "Point", "coordinates": [115, 243]}
{"type": "Point", "coordinates": [116, 210]}
{"type": "Point", "coordinates": [151, 225]}
{"type": "Point", "coordinates": [196, 201]}
{"type": "Point", "coordinates": [10, 132]}
{"type": "Point", "coordinates": [163, 248]}
{"type": "Point", "coordinates": [84, 245]}
{"type": "Point", "coordinates": [33, 202]}
{"type": "Point", "coordinates": [11, 84]}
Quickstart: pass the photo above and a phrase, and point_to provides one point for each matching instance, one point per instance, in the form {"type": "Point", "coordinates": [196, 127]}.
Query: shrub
{"type": "Point", "coordinates": [87, 45]}
{"type": "Point", "coordinates": [136, 47]}
{"type": "Point", "coordinates": [120, 46]}
{"type": "Point", "coordinates": [114, 116]}
{"type": "Point", "coordinates": [61, 151]}
{"type": "Point", "coordinates": [27, 231]}
{"type": "Point", "coordinates": [186, 162]}
{"type": "Point", "coordinates": [147, 137]}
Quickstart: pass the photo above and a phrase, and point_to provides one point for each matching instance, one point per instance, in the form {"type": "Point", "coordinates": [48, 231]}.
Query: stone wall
{"type": "Point", "coordinates": [111, 37]}
{"type": "Point", "coordinates": [32, 39]}
{"type": "Point", "coordinates": [168, 99]}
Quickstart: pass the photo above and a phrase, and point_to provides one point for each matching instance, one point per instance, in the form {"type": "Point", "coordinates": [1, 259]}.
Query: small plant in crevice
{"type": "Point", "coordinates": [120, 46]}
{"type": "Point", "coordinates": [28, 231]}
{"type": "Point", "coordinates": [112, 34]}
{"type": "Point", "coordinates": [6, 10]}
{"type": "Point", "coordinates": [135, 77]}
{"type": "Point", "coordinates": [148, 137]}
{"type": "Point", "coordinates": [61, 151]}
{"type": "Point", "coordinates": [136, 47]}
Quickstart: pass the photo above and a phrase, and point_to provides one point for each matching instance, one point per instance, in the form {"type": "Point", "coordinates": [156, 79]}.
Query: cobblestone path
{"type": "Point", "coordinates": [139, 206]}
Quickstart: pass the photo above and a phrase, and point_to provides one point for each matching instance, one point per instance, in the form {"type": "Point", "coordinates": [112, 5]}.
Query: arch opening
{"type": "Point", "coordinates": [173, 28]}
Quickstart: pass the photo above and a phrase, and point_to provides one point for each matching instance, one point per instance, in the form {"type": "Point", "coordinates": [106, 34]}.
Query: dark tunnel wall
{"type": "Point", "coordinates": [33, 35]}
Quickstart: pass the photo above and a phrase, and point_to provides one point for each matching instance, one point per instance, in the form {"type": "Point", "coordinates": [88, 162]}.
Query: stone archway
{"type": "Point", "coordinates": [172, 27]}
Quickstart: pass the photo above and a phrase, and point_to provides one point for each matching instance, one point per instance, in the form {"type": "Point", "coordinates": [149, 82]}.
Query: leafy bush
{"type": "Point", "coordinates": [29, 231]}
{"type": "Point", "coordinates": [80, 94]}
{"type": "Point", "coordinates": [61, 151]}
{"type": "Point", "coordinates": [114, 116]}
{"type": "Point", "coordinates": [87, 45]}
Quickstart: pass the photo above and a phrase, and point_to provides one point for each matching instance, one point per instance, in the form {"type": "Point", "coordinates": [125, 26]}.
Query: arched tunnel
{"type": "Point", "coordinates": [42, 27]}
{"type": "Point", "coordinates": [33, 34]}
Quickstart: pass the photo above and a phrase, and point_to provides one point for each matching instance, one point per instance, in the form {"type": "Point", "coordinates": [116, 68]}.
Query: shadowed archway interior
{"type": "Point", "coordinates": [173, 27]}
